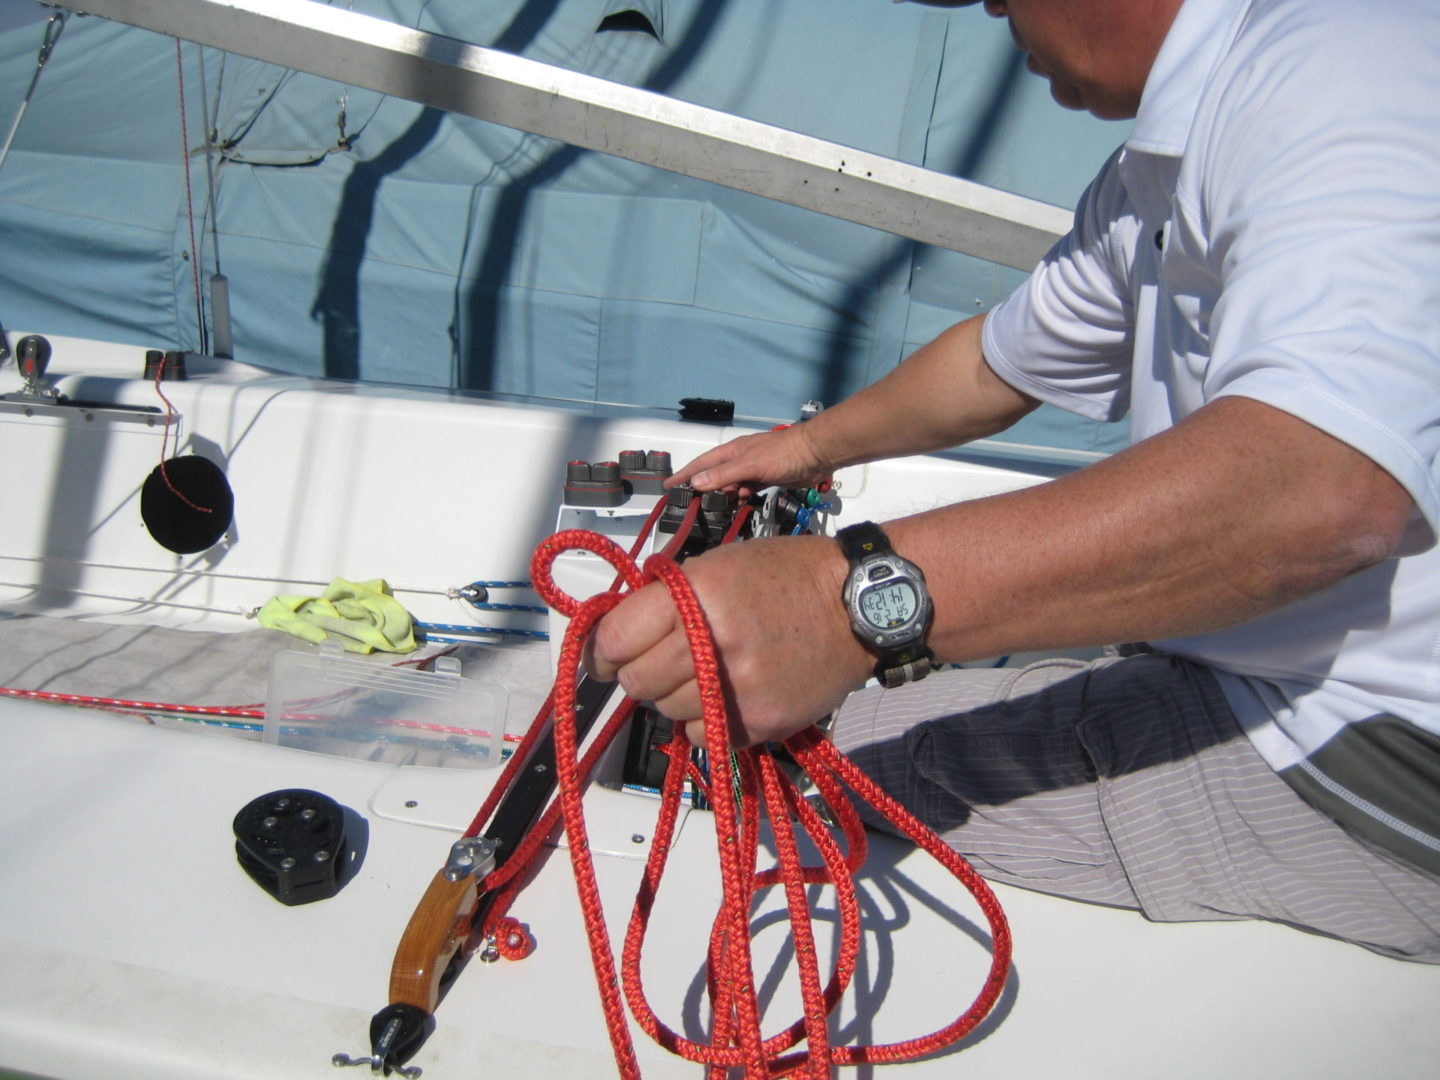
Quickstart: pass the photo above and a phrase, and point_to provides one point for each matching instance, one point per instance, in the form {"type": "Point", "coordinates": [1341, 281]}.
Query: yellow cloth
{"type": "Point", "coordinates": [363, 616]}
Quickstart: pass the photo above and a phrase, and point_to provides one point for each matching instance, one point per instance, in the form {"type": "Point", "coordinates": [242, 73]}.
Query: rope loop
{"type": "Point", "coordinates": [512, 940]}
{"type": "Point", "coordinates": [742, 788]}
{"type": "Point", "coordinates": [552, 548]}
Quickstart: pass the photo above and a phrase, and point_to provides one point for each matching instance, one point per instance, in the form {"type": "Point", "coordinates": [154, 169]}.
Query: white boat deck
{"type": "Point", "coordinates": [132, 945]}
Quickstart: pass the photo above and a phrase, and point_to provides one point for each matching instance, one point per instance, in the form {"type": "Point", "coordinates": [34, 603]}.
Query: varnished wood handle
{"type": "Point", "coordinates": [439, 927]}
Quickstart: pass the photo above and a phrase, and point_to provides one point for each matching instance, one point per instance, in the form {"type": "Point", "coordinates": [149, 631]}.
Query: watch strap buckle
{"type": "Point", "coordinates": [897, 671]}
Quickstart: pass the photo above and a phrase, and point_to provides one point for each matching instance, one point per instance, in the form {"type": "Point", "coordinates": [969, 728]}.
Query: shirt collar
{"type": "Point", "coordinates": [1199, 36]}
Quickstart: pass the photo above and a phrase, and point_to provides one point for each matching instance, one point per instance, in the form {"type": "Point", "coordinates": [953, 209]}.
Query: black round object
{"type": "Point", "coordinates": [32, 355]}
{"type": "Point", "coordinates": [195, 518]}
{"type": "Point", "coordinates": [292, 843]}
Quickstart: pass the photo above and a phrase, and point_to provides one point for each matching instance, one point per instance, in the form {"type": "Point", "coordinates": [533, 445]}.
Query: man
{"type": "Point", "coordinates": [1253, 278]}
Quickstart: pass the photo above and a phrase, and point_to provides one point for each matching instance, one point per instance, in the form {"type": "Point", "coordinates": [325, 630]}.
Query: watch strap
{"type": "Point", "coordinates": [897, 667]}
{"type": "Point", "coordinates": [862, 539]}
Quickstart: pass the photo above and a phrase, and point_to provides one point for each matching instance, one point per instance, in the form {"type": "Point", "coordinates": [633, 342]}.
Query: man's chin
{"type": "Point", "coordinates": [1099, 106]}
{"type": "Point", "coordinates": [1066, 96]}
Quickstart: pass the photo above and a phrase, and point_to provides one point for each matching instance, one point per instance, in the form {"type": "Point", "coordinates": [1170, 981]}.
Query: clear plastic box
{"type": "Point", "coordinates": [330, 703]}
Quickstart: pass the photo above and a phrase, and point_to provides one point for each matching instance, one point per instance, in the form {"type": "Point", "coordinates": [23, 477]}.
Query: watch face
{"type": "Point", "coordinates": [888, 606]}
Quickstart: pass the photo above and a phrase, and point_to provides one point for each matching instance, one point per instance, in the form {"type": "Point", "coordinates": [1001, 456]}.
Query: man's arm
{"type": "Point", "coordinates": [1236, 511]}
{"type": "Point", "coordinates": [942, 395]}
{"type": "Point", "coordinates": [1239, 509]}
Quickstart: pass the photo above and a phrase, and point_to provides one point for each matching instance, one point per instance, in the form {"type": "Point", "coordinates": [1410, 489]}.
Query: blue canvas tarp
{"type": "Point", "coordinates": [367, 237]}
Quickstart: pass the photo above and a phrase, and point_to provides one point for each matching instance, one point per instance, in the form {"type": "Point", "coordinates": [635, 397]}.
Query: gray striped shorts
{"type": "Point", "coordinates": [1126, 781]}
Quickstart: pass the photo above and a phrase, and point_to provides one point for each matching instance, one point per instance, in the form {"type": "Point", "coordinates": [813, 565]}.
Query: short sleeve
{"type": "Point", "coordinates": [1066, 336]}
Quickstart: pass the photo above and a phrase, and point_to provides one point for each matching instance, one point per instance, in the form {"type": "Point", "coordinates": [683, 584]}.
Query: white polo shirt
{"type": "Point", "coordinates": [1271, 229]}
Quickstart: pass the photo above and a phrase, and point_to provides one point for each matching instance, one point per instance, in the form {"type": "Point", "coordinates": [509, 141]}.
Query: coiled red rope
{"type": "Point", "coordinates": [736, 1041]}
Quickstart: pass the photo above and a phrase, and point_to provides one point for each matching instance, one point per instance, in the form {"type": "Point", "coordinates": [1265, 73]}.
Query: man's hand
{"type": "Point", "coordinates": [943, 394]}
{"type": "Point", "coordinates": [783, 457]}
{"type": "Point", "coordinates": [787, 655]}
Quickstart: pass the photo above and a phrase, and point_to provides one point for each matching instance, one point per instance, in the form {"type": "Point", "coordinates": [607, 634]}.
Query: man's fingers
{"type": "Point", "coordinates": [695, 732]}
{"type": "Point", "coordinates": [710, 471]}
{"type": "Point", "coordinates": [740, 738]}
{"type": "Point", "coordinates": [629, 631]}
{"type": "Point", "coordinates": [660, 673]}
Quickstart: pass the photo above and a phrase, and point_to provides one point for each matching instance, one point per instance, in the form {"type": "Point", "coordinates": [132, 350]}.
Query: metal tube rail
{"type": "Point", "coordinates": [584, 111]}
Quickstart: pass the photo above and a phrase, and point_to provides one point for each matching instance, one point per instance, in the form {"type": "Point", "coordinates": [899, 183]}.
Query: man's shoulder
{"type": "Point", "coordinates": [1321, 65]}
{"type": "Point", "coordinates": [1320, 28]}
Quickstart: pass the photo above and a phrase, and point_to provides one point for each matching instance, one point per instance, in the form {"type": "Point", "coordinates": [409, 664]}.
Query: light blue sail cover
{"type": "Point", "coordinates": [367, 237]}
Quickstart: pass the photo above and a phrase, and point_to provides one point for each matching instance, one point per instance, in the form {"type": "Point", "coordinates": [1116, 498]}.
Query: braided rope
{"type": "Point", "coordinates": [736, 1041]}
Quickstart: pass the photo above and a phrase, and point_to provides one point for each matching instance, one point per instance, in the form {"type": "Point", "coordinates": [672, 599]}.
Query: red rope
{"type": "Point", "coordinates": [736, 1041]}
{"type": "Point", "coordinates": [88, 701]}
{"type": "Point", "coordinates": [244, 712]}
{"type": "Point", "coordinates": [195, 273]}
{"type": "Point", "coordinates": [165, 442]}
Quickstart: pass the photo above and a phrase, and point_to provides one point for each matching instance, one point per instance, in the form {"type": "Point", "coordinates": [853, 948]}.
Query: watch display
{"type": "Point", "coordinates": [889, 605]}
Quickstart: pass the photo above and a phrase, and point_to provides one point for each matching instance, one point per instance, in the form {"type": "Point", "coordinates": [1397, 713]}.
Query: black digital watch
{"type": "Point", "coordinates": [888, 603]}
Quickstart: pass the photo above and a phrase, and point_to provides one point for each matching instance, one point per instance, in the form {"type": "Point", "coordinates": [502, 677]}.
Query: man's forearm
{"type": "Point", "coordinates": [942, 395]}
{"type": "Point", "coordinates": [1238, 510]}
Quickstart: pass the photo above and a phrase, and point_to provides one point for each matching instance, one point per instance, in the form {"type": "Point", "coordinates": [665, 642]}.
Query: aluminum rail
{"type": "Point", "coordinates": [445, 73]}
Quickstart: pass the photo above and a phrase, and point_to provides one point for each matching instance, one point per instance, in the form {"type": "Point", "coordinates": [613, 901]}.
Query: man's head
{"type": "Point", "coordinates": [1096, 53]}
